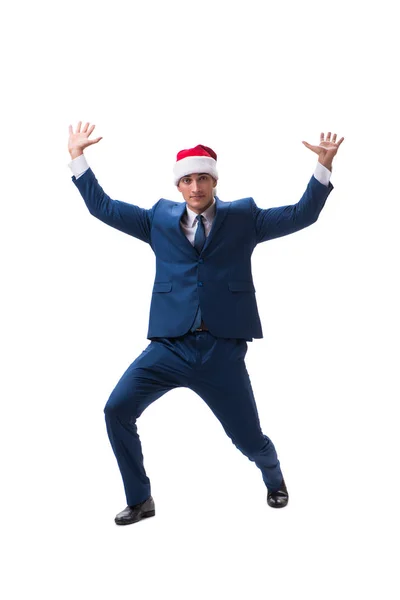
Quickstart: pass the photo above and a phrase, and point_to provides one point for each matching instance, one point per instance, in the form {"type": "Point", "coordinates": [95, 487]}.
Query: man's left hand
{"type": "Point", "coordinates": [327, 149]}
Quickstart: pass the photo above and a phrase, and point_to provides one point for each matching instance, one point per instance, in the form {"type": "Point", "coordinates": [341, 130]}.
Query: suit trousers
{"type": "Point", "coordinates": [213, 368]}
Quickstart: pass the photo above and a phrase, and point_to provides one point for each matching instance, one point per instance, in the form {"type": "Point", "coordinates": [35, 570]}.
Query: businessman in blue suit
{"type": "Point", "coordinates": [203, 310]}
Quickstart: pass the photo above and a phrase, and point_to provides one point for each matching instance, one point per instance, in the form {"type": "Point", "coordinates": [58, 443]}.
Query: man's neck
{"type": "Point", "coordinates": [203, 210]}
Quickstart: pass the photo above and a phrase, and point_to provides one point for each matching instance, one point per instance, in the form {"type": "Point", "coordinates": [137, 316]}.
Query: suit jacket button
{"type": "Point", "coordinates": [200, 283]}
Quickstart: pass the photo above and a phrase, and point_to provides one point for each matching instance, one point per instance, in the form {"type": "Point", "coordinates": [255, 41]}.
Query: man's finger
{"type": "Point", "coordinates": [340, 141]}
{"type": "Point", "coordinates": [91, 129]}
{"type": "Point", "coordinates": [78, 127]}
{"type": "Point", "coordinates": [322, 137]}
{"type": "Point", "coordinates": [70, 130]}
{"type": "Point", "coordinates": [316, 149]}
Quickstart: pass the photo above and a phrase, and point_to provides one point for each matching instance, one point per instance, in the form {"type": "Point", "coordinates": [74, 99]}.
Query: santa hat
{"type": "Point", "coordinates": [199, 159]}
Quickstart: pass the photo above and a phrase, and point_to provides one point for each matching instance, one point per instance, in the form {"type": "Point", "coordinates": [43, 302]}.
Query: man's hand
{"type": "Point", "coordinates": [326, 150]}
{"type": "Point", "coordinates": [79, 140]}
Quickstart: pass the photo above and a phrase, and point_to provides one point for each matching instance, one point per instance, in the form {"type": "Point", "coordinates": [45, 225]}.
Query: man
{"type": "Point", "coordinates": [203, 310]}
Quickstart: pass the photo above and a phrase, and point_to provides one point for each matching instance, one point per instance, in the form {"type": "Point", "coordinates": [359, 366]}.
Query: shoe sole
{"type": "Point", "coordinates": [278, 505]}
{"type": "Point", "coordinates": [145, 515]}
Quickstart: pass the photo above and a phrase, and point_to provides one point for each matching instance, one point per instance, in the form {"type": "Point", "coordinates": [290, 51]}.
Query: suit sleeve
{"type": "Point", "coordinates": [126, 217]}
{"type": "Point", "coordinates": [271, 223]}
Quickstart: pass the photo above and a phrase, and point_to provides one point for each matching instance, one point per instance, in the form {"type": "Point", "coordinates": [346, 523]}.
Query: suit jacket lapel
{"type": "Point", "coordinates": [220, 215]}
{"type": "Point", "coordinates": [177, 214]}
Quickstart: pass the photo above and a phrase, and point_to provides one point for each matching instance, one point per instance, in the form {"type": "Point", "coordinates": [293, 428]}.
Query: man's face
{"type": "Point", "coordinates": [197, 190]}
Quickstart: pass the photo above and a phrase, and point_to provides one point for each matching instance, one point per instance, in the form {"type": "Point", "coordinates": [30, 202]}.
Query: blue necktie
{"type": "Point", "coordinates": [200, 237]}
{"type": "Point", "coordinates": [199, 241]}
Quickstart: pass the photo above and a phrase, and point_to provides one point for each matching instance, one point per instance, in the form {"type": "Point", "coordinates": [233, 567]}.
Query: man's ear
{"type": "Point", "coordinates": [215, 182]}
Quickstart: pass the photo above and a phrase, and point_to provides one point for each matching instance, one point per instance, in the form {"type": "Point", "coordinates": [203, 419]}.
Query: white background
{"type": "Point", "coordinates": [252, 80]}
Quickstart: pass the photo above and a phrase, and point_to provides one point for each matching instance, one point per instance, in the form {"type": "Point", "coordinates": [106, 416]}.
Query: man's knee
{"type": "Point", "coordinates": [120, 404]}
{"type": "Point", "coordinates": [255, 448]}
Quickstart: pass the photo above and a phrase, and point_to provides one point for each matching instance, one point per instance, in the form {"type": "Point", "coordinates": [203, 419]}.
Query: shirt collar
{"type": "Point", "coordinates": [207, 214]}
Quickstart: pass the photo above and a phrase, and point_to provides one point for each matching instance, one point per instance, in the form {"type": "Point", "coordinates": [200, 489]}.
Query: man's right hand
{"type": "Point", "coordinates": [79, 140]}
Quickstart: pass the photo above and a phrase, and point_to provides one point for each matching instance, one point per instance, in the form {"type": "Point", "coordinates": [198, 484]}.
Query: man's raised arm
{"type": "Point", "coordinates": [276, 222]}
{"type": "Point", "coordinates": [126, 217]}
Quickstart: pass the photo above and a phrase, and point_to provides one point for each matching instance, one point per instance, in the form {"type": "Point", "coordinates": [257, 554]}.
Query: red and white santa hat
{"type": "Point", "coordinates": [200, 159]}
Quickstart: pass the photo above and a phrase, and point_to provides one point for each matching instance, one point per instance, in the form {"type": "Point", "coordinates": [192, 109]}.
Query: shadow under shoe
{"type": "Point", "coordinates": [278, 498]}
{"type": "Point", "coordinates": [133, 514]}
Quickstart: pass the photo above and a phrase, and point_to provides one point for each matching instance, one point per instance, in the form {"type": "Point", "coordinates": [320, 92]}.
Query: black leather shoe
{"type": "Point", "coordinates": [279, 498]}
{"type": "Point", "coordinates": [133, 514]}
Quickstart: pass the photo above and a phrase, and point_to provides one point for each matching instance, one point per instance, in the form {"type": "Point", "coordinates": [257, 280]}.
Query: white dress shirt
{"type": "Point", "coordinates": [189, 223]}
{"type": "Point", "coordinates": [80, 165]}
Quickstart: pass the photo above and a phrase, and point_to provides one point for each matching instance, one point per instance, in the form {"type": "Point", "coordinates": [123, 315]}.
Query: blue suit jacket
{"type": "Point", "coordinates": [220, 278]}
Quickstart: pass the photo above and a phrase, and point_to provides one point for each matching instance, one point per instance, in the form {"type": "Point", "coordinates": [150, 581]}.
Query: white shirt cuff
{"type": "Point", "coordinates": [322, 174]}
{"type": "Point", "coordinates": [78, 165]}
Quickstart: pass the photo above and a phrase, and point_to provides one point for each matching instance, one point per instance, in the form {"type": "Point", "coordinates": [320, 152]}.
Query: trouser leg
{"type": "Point", "coordinates": [146, 380]}
{"type": "Point", "coordinates": [224, 384]}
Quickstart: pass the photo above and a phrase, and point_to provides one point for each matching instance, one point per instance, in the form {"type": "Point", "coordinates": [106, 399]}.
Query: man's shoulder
{"type": "Point", "coordinates": [242, 204]}
{"type": "Point", "coordinates": [168, 203]}
{"type": "Point", "coordinates": [165, 205]}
